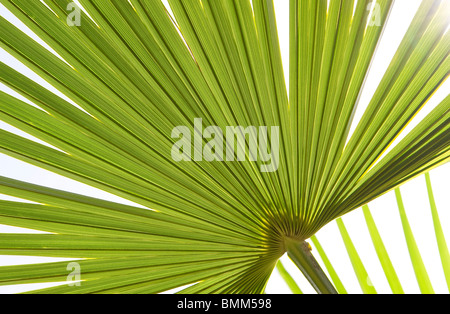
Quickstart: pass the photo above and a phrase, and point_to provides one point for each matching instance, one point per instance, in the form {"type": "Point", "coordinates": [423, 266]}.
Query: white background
{"type": "Point", "coordinates": [384, 208]}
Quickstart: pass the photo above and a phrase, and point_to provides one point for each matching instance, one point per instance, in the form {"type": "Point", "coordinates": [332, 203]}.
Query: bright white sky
{"type": "Point", "coordinates": [384, 209]}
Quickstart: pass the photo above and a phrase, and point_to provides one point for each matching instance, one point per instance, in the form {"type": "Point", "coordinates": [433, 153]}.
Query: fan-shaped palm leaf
{"type": "Point", "coordinates": [221, 226]}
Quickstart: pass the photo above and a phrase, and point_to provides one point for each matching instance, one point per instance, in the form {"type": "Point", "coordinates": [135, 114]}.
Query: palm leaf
{"type": "Point", "coordinates": [360, 270]}
{"type": "Point", "coordinates": [419, 272]}
{"type": "Point", "coordinates": [288, 279]}
{"type": "Point", "coordinates": [442, 244]}
{"type": "Point", "coordinates": [419, 267]}
{"type": "Point", "coordinates": [383, 255]}
{"type": "Point", "coordinates": [130, 73]}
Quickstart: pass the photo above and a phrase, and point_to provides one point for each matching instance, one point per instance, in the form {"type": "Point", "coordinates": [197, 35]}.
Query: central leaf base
{"type": "Point", "coordinates": [300, 253]}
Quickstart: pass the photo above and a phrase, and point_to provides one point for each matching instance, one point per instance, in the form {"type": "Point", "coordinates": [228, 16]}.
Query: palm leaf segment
{"type": "Point", "coordinates": [222, 225]}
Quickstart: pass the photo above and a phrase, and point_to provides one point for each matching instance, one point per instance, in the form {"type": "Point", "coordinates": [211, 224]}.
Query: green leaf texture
{"type": "Point", "coordinates": [135, 73]}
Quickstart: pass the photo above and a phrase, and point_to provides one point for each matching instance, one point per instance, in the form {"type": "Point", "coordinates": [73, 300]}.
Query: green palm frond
{"type": "Point", "coordinates": [442, 244]}
{"type": "Point", "coordinates": [130, 73]}
{"type": "Point", "coordinates": [419, 271]}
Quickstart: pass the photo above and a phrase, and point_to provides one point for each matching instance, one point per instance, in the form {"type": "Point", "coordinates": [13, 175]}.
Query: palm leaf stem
{"type": "Point", "coordinates": [300, 254]}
